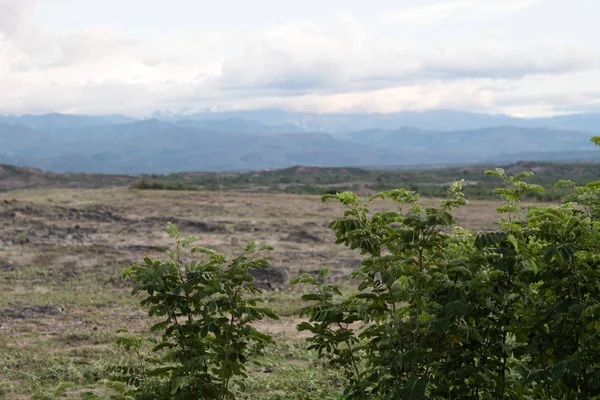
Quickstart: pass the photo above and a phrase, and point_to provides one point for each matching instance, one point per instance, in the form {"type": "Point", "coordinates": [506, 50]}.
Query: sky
{"type": "Point", "coordinates": [135, 57]}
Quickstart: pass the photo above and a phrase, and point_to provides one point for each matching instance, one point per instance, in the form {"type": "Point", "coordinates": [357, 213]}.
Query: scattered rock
{"type": "Point", "coordinates": [69, 270]}
{"type": "Point", "coordinates": [6, 265]}
{"type": "Point", "coordinates": [292, 256]}
{"type": "Point", "coordinates": [311, 224]}
{"type": "Point", "coordinates": [246, 227]}
{"type": "Point", "coordinates": [37, 232]}
{"type": "Point", "coordinates": [270, 278]}
{"type": "Point", "coordinates": [353, 263]}
{"type": "Point", "coordinates": [302, 236]}
{"type": "Point", "coordinates": [186, 226]}
{"type": "Point", "coordinates": [99, 213]}
{"type": "Point", "coordinates": [145, 248]}
{"type": "Point", "coordinates": [28, 312]}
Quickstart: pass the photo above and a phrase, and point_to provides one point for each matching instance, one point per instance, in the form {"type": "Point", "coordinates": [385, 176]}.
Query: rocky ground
{"type": "Point", "coordinates": [62, 252]}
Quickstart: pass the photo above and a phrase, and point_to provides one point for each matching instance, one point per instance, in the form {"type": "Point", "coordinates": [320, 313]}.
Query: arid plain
{"type": "Point", "coordinates": [62, 252]}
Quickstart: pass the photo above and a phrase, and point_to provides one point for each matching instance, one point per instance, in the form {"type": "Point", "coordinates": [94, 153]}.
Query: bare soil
{"type": "Point", "coordinates": [62, 252]}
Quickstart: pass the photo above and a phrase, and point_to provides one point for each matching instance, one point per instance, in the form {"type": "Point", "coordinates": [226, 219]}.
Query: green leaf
{"type": "Point", "coordinates": [593, 185]}
{"type": "Point", "coordinates": [191, 239]}
{"type": "Point", "coordinates": [305, 326]}
{"type": "Point", "coordinates": [415, 389]}
{"type": "Point", "coordinates": [371, 296]}
{"type": "Point", "coordinates": [172, 230]}
{"type": "Point", "coordinates": [513, 241]}
{"type": "Point", "coordinates": [565, 183]}
{"type": "Point", "coordinates": [312, 296]}
{"type": "Point", "coordinates": [523, 175]}
{"type": "Point", "coordinates": [459, 307]}
{"type": "Point", "coordinates": [251, 246]}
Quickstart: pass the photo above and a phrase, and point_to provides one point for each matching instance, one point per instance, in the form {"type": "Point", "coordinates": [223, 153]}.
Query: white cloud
{"type": "Point", "coordinates": [495, 63]}
{"type": "Point", "coordinates": [411, 97]}
{"type": "Point", "coordinates": [15, 16]}
{"type": "Point", "coordinates": [342, 64]}
{"type": "Point", "coordinates": [306, 58]}
{"type": "Point", "coordinates": [295, 57]}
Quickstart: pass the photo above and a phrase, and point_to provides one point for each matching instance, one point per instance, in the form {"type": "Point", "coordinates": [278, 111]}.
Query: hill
{"type": "Point", "coordinates": [495, 144]}
{"type": "Point", "coordinates": [442, 120]}
{"type": "Point", "coordinates": [116, 145]}
{"type": "Point", "coordinates": [430, 182]}
{"type": "Point", "coordinates": [13, 177]}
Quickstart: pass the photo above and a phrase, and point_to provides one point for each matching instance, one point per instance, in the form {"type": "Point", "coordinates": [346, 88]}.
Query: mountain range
{"type": "Point", "coordinates": [249, 140]}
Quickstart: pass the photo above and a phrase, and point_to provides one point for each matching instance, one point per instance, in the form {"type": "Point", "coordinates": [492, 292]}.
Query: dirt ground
{"type": "Point", "coordinates": [62, 252]}
{"type": "Point", "coordinates": [69, 235]}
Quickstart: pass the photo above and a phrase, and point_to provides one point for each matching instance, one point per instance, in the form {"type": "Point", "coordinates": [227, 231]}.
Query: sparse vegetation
{"type": "Point", "coordinates": [506, 312]}
{"type": "Point", "coordinates": [207, 310]}
{"type": "Point", "coordinates": [451, 314]}
{"type": "Point", "coordinates": [427, 182]}
{"type": "Point", "coordinates": [144, 185]}
{"type": "Point", "coordinates": [319, 180]}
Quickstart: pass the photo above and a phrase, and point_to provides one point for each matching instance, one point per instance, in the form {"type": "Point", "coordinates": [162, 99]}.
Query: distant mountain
{"type": "Point", "coordinates": [156, 146]}
{"type": "Point", "coordinates": [582, 122]}
{"type": "Point", "coordinates": [13, 177]}
{"type": "Point", "coordinates": [277, 121]}
{"type": "Point", "coordinates": [340, 123]}
{"type": "Point", "coordinates": [444, 120]}
{"type": "Point", "coordinates": [118, 144]}
{"type": "Point", "coordinates": [481, 144]}
{"type": "Point", "coordinates": [590, 155]}
{"type": "Point", "coordinates": [241, 126]}
{"type": "Point", "coordinates": [50, 122]}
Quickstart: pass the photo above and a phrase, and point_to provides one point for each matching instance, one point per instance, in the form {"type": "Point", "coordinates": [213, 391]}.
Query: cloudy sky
{"type": "Point", "coordinates": [521, 57]}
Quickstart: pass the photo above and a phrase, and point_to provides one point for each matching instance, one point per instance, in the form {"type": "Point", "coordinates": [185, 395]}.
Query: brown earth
{"type": "Point", "coordinates": [62, 252]}
{"type": "Point", "coordinates": [78, 235]}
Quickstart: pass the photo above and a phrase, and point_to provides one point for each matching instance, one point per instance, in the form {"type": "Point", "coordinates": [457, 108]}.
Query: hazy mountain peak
{"type": "Point", "coordinates": [274, 139]}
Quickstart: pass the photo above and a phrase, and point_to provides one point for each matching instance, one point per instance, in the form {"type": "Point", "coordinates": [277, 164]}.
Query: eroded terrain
{"type": "Point", "coordinates": [62, 252]}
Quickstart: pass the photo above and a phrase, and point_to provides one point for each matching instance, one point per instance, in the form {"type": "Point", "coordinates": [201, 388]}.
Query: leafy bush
{"type": "Point", "coordinates": [426, 182]}
{"type": "Point", "coordinates": [441, 313]}
{"type": "Point", "coordinates": [207, 310]}
{"type": "Point", "coordinates": [145, 185]}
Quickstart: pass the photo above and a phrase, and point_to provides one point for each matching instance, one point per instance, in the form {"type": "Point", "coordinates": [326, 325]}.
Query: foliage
{"type": "Point", "coordinates": [427, 182]}
{"type": "Point", "coordinates": [155, 185]}
{"type": "Point", "coordinates": [57, 393]}
{"type": "Point", "coordinates": [442, 313]}
{"type": "Point", "coordinates": [439, 312]}
{"type": "Point", "coordinates": [206, 309]}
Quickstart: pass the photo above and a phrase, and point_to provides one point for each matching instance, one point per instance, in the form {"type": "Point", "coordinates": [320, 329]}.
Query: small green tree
{"type": "Point", "coordinates": [207, 309]}
{"type": "Point", "coordinates": [409, 302]}
{"type": "Point", "coordinates": [562, 332]}
{"type": "Point", "coordinates": [442, 313]}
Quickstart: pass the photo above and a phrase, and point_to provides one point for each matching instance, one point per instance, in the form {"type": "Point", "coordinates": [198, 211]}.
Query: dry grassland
{"type": "Point", "coordinates": [62, 252]}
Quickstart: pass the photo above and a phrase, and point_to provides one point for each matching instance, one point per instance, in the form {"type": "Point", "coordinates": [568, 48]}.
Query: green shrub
{"type": "Point", "coordinates": [206, 309]}
{"type": "Point", "coordinates": [155, 185]}
{"type": "Point", "coordinates": [442, 313]}
{"type": "Point", "coordinates": [439, 312]}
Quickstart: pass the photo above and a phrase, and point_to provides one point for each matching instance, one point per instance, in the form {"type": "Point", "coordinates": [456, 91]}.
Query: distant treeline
{"type": "Point", "coordinates": [144, 184]}
{"type": "Point", "coordinates": [318, 181]}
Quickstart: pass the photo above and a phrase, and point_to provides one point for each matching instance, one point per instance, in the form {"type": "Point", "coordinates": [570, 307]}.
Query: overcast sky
{"type": "Point", "coordinates": [521, 57]}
